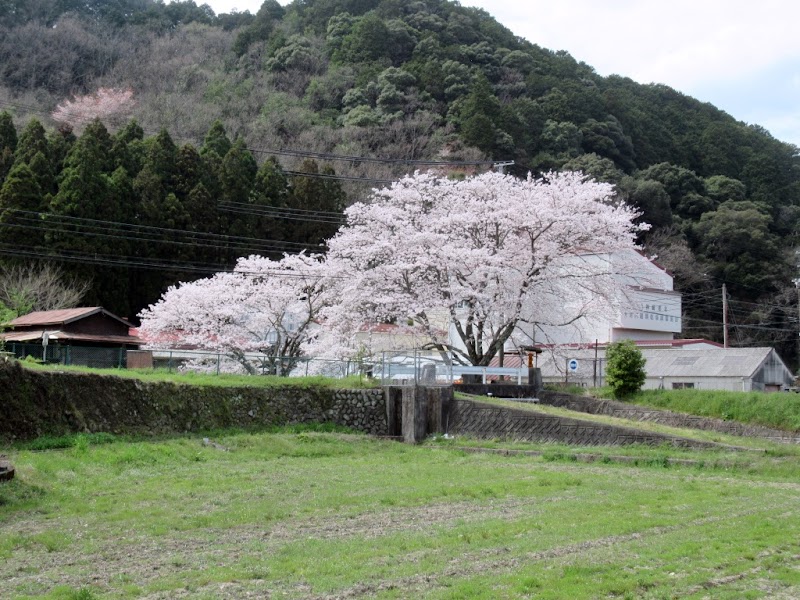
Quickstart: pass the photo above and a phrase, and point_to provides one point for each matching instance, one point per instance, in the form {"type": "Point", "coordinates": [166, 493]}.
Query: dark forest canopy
{"type": "Point", "coordinates": [427, 80]}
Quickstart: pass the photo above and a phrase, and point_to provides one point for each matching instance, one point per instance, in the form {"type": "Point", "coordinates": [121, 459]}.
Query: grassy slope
{"type": "Point", "coordinates": [314, 514]}
{"type": "Point", "coordinates": [778, 410]}
{"type": "Point", "coordinates": [205, 379]}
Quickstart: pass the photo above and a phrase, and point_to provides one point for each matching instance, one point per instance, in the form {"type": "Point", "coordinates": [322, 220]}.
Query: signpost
{"type": "Point", "coordinates": [572, 367]}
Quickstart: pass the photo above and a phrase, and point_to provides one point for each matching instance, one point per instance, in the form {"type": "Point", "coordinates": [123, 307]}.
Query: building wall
{"type": "Point", "coordinates": [732, 384]}
{"type": "Point", "coordinates": [97, 324]}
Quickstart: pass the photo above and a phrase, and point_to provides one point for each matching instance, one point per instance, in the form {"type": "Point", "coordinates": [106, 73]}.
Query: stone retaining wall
{"type": "Point", "coordinates": [487, 421]}
{"type": "Point", "coordinates": [36, 403]}
{"type": "Point", "coordinates": [632, 412]}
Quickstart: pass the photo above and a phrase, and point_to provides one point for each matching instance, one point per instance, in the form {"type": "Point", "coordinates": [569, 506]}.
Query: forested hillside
{"type": "Point", "coordinates": [251, 132]}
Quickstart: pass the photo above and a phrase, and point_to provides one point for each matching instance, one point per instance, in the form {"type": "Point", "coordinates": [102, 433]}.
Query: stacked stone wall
{"type": "Point", "coordinates": [38, 403]}
{"type": "Point", "coordinates": [487, 421]}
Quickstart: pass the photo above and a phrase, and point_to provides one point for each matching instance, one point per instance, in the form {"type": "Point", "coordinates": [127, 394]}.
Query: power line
{"type": "Point", "coordinates": [202, 237]}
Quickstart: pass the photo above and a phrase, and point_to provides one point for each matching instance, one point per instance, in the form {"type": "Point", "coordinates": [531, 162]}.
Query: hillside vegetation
{"type": "Point", "coordinates": [241, 121]}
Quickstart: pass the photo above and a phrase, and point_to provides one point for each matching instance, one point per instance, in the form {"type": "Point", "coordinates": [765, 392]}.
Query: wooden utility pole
{"type": "Point", "coordinates": [724, 316]}
{"type": "Point", "coordinates": [797, 284]}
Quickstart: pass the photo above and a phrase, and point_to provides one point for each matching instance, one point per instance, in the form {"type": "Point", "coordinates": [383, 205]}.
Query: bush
{"type": "Point", "coordinates": [625, 372]}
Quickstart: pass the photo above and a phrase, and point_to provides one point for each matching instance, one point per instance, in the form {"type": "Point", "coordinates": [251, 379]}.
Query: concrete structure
{"type": "Point", "coordinates": [644, 306]}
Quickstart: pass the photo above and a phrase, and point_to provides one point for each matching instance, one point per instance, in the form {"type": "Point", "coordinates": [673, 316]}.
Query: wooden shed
{"type": "Point", "coordinates": [89, 336]}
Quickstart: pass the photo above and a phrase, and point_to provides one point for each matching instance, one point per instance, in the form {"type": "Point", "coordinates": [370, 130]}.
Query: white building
{"type": "Point", "coordinates": [641, 306]}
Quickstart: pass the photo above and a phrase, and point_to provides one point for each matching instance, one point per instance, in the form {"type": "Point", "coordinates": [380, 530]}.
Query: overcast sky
{"type": "Point", "coordinates": [742, 56]}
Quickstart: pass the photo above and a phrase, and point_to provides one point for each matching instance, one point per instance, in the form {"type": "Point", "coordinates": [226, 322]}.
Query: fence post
{"type": "Point", "coordinates": [169, 362]}
{"type": "Point", "coordinates": [218, 361]}
{"type": "Point", "coordinates": [119, 362]}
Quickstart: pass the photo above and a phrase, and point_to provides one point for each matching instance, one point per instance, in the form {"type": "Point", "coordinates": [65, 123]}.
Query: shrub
{"type": "Point", "coordinates": [625, 372]}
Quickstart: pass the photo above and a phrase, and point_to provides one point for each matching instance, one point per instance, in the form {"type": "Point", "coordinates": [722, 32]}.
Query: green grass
{"type": "Point", "coordinates": [222, 380]}
{"type": "Point", "coordinates": [779, 410]}
{"type": "Point", "coordinates": [303, 513]}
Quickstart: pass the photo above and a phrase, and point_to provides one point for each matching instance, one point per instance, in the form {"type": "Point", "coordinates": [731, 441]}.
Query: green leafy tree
{"type": "Point", "coordinates": [625, 372]}
{"type": "Point", "coordinates": [736, 238]}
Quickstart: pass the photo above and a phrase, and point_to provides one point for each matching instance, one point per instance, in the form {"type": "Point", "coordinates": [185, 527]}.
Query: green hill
{"type": "Point", "coordinates": [399, 81]}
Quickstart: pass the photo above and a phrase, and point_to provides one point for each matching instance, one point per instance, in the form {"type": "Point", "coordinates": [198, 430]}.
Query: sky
{"type": "Point", "coordinates": [742, 56]}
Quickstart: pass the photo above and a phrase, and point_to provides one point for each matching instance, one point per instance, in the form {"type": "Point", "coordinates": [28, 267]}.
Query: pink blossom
{"type": "Point", "coordinates": [106, 104]}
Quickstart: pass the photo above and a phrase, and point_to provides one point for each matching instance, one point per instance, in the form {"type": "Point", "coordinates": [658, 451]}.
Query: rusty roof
{"type": "Point", "coordinates": [65, 336]}
{"type": "Point", "coordinates": [61, 317]}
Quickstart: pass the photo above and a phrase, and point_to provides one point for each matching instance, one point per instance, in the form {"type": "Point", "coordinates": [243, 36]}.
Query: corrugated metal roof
{"type": "Point", "coordinates": [60, 317]}
{"type": "Point", "coordinates": [22, 336]}
{"type": "Point", "coordinates": [35, 335]}
{"type": "Point", "coordinates": [53, 317]}
{"type": "Point", "coordinates": [727, 362]}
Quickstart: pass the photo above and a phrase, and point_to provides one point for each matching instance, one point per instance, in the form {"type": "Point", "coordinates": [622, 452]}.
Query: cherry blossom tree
{"type": "Point", "coordinates": [468, 261]}
{"type": "Point", "coordinates": [105, 104]}
{"type": "Point", "coordinates": [261, 316]}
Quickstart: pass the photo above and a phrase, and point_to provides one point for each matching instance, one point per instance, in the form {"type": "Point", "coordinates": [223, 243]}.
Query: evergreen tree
{"type": "Point", "coordinates": [42, 169]}
{"type": "Point", "coordinates": [20, 192]}
{"type": "Point", "coordinates": [128, 149]}
{"type": "Point", "coordinates": [188, 171]}
{"type": "Point", "coordinates": [162, 155]}
{"type": "Point", "coordinates": [322, 197]}
{"type": "Point", "coordinates": [478, 115]}
{"type": "Point", "coordinates": [32, 140]}
{"type": "Point", "coordinates": [270, 191]}
{"type": "Point", "coordinates": [216, 140]}
{"type": "Point", "coordinates": [83, 192]}
{"type": "Point", "coordinates": [238, 174]}
{"type": "Point", "coordinates": [60, 142]}
{"type": "Point", "coordinates": [8, 144]}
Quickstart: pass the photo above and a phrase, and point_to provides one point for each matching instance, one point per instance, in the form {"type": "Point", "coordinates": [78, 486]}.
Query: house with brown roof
{"type": "Point", "coordinates": [89, 336]}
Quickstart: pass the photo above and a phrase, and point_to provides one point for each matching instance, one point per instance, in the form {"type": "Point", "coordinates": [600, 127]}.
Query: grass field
{"type": "Point", "coordinates": [305, 514]}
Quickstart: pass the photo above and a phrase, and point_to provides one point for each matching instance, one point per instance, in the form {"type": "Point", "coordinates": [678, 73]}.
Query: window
{"type": "Point", "coordinates": [682, 386]}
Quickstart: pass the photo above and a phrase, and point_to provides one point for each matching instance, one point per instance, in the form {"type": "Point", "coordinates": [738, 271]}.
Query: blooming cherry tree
{"type": "Point", "coordinates": [104, 104]}
{"type": "Point", "coordinates": [264, 307]}
{"type": "Point", "coordinates": [475, 258]}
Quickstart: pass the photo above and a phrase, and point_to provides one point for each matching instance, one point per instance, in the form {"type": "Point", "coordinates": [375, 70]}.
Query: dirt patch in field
{"type": "Point", "coordinates": [134, 557]}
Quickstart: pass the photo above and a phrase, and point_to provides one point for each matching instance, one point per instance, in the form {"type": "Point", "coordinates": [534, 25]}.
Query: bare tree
{"type": "Point", "coordinates": [31, 287]}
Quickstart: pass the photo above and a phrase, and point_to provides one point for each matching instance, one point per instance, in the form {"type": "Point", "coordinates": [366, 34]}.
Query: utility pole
{"type": "Point", "coordinates": [724, 316]}
{"type": "Point", "coordinates": [501, 165]}
{"type": "Point", "coordinates": [797, 284]}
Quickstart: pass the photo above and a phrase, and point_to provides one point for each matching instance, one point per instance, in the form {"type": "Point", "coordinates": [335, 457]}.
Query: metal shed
{"type": "Point", "coordinates": [739, 369]}
{"type": "Point", "coordinates": [696, 365]}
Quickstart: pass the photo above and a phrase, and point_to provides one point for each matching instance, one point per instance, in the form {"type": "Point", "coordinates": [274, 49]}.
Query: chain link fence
{"type": "Point", "coordinates": [408, 367]}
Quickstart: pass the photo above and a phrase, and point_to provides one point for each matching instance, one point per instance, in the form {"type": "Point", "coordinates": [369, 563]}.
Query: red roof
{"type": "Point", "coordinates": [61, 317]}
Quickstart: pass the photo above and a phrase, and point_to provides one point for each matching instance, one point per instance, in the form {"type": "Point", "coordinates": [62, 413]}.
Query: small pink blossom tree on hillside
{"type": "Point", "coordinates": [477, 257]}
{"type": "Point", "coordinates": [263, 307]}
{"type": "Point", "coordinates": [105, 104]}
